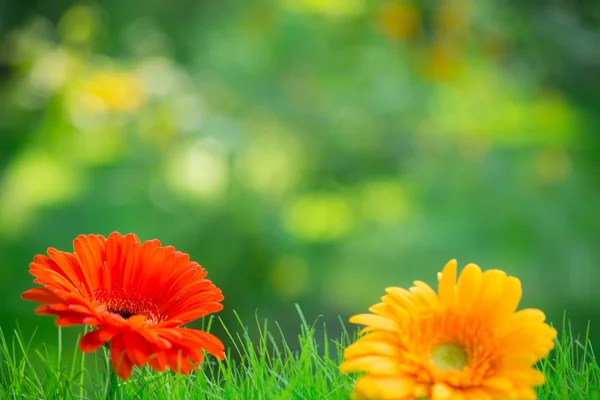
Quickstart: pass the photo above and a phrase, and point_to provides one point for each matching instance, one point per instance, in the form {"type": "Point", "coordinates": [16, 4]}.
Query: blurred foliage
{"type": "Point", "coordinates": [307, 151]}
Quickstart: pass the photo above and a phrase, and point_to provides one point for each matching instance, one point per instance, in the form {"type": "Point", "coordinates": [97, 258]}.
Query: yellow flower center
{"type": "Point", "coordinates": [449, 357]}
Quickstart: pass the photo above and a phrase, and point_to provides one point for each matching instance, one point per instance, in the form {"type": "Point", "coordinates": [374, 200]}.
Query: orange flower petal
{"type": "Point", "coordinates": [42, 295]}
{"type": "Point", "coordinates": [69, 320]}
{"type": "Point", "coordinates": [89, 252]}
{"type": "Point", "coordinates": [158, 360]}
{"type": "Point", "coordinates": [138, 349]}
{"type": "Point", "coordinates": [119, 359]}
{"type": "Point", "coordinates": [91, 341]}
{"type": "Point", "coordinates": [177, 362]}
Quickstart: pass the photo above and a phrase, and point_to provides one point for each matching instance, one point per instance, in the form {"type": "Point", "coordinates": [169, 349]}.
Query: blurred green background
{"type": "Point", "coordinates": [307, 151]}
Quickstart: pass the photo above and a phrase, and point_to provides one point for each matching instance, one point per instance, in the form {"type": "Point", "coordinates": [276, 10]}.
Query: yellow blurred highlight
{"type": "Point", "coordinates": [34, 180]}
{"type": "Point", "coordinates": [400, 20]}
{"type": "Point", "coordinates": [441, 63]}
{"type": "Point", "coordinates": [445, 59]}
{"type": "Point", "coordinates": [120, 91]}
{"type": "Point", "coordinates": [452, 17]}
{"type": "Point", "coordinates": [79, 24]}
{"type": "Point", "coordinates": [320, 217]}
{"type": "Point", "coordinates": [329, 8]}
{"type": "Point", "coordinates": [290, 277]}
{"type": "Point", "coordinates": [270, 164]}
{"type": "Point", "coordinates": [199, 171]}
{"type": "Point", "coordinates": [553, 166]}
{"type": "Point", "coordinates": [383, 201]}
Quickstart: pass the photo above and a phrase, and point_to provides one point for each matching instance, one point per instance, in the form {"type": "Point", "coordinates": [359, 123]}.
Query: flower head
{"type": "Point", "coordinates": [136, 295]}
{"type": "Point", "coordinates": [467, 342]}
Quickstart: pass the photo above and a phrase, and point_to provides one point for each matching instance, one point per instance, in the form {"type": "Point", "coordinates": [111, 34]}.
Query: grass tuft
{"type": "Point", "coordinates": [269, 369]}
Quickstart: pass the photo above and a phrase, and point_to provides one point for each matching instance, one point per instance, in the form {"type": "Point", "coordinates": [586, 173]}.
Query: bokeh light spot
{"type": "Point", "coordinates": [400, 20]}
{"type": "Point", "coordinates": [320, 217]}
{"type": "Point", "coordinates": [160, 76]}
{"type": "Point", "coordinates": [52, 70]}
{"type": "Point", "coordinates": [199, 171]}
{"type": "Point", "coordinates": [120, 91]}
{"type": "Point", "coordinates": [34, 180]}
{"type": "Point", "coordinates": [79, 24]}
{"type": "Point", "coordinates": [329, 8]}
{"type": "Point", "coordinates": [270, 164]}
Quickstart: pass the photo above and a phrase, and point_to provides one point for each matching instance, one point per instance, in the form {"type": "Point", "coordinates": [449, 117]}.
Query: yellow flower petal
{"type": "Point", "coordinates": [492, 288]}
{"type": "Point", "coordinates": [511, 297]}
{"type": "Point", "coordinates": [515, 362]}
{"type": "Point", "coordinates": [425, 294]}
{"type": "Point", "coordinates": [400, 310]}
{"type": "Point", "coordinates": [361, 349]}
{"type": "Point", "coordinates": [377, 365]}
{"type": "Point", "coordinates": [527, 316]}
{"type": "Point", "coordinates": [526, 394]}
{"type": "Point", "coordinates": [499, 384]}
{"type": "Point", "coordinates": [403, 297]}
{"type": "Point", "coordinates": [469, 284]}
{"type": "Point", "coordinates": [385, 387]}
{"type": "Point", "coordinates": [525, 377]}
{"type": "Point", "coordinates": [447, 285]}
{"type": "Point", "coordinates": [375, 321]}
{"type": "Point", "coordinates": [477, 394]}
{"type": "Point", "coordinates": [441, 391]}
{"type": "Point", "coordinates": [383, 310]}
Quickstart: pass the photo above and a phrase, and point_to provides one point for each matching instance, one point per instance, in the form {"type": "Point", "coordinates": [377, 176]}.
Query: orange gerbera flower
{"type": "Point", "coordinates": [135, 294]}
{"type": "Point", "coordinates": [464, 343]}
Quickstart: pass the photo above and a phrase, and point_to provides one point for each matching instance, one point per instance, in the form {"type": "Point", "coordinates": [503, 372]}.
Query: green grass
{"type": "Point", "coordinates": [269, 370]}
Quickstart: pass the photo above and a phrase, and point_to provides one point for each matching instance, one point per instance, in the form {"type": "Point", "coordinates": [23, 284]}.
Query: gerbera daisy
{"type": "Point", "coordinates": [136, 295]}
{"type": "Point", "coordinates": [467, 342]}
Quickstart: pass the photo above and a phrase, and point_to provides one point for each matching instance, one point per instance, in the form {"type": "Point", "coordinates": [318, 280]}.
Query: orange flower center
{"type": "Point", "coordinates": [127, 305]}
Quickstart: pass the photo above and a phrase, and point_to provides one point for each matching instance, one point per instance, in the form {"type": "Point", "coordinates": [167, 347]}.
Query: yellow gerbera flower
{"type": "Point", "coordinates": [465, 343]}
